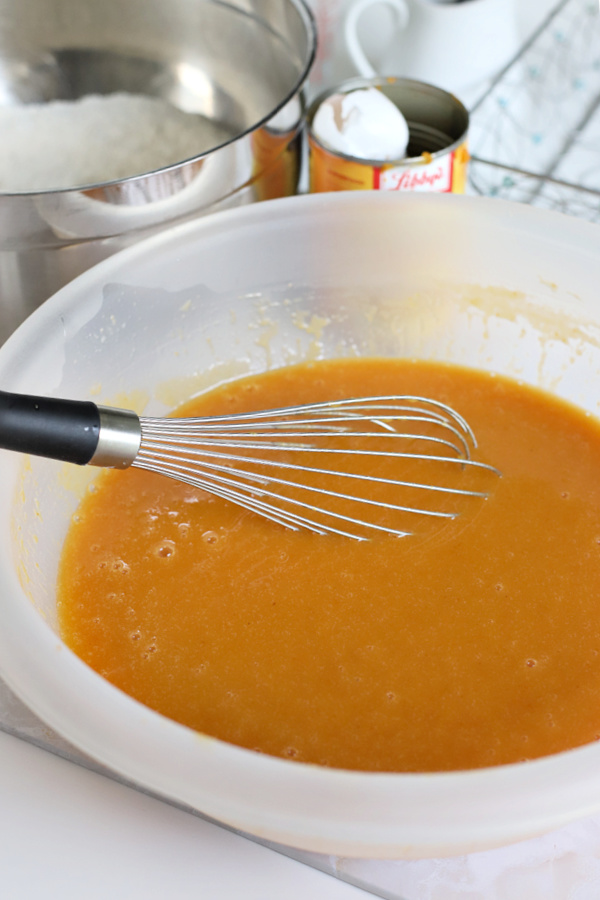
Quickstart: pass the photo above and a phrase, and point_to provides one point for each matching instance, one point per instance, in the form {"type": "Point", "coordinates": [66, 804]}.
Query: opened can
{"type": "Point", "coordinates": [437, 153]}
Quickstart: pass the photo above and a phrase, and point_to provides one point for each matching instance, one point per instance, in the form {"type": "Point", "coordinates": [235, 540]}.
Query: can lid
{"type": "Point", "coordinates": [362, 123]}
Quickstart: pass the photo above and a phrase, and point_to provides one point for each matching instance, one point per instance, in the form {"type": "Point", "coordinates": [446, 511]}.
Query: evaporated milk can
{"type": "Point", "coordinates": [437, 155]}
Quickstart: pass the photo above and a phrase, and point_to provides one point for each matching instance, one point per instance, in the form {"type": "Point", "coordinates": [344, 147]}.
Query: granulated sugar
{"type": "Point", "coordinates": [72, 143]}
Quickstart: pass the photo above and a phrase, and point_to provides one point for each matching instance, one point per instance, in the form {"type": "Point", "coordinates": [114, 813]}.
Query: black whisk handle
{"type": "Point", "coordinates": [66, 430]}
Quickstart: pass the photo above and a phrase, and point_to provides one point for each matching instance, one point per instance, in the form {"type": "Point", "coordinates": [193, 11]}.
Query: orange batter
{"type": "Point", "coordinates": [474, 644]}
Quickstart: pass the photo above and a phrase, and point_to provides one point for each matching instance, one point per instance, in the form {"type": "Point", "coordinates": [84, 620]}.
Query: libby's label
{"type": "Point", "coordinates": [433, 176]}
{"type": "Point", "coordinates": [444, 173]}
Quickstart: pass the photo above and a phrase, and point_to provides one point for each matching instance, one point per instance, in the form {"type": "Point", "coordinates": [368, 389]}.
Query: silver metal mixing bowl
{"type": "Point", "coordinates": [240, 63]}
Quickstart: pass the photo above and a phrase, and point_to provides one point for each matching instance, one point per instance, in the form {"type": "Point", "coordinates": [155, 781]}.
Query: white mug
{"type": "Point", "coordinates": [333, 63]}
{"type": "Point", "coordinates": [454, 45]}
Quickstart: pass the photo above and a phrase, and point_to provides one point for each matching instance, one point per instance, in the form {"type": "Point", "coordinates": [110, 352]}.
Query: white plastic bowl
{"type": "Point", "coordinates": [483, 283]}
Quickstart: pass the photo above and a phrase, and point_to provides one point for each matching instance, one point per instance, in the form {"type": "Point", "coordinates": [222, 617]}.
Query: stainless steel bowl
{"type": "Point", "coordinates": [240, 63]}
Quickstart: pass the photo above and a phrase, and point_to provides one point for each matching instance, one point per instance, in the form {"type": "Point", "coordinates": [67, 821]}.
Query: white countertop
{"type": "Point", "coordinates": [70, 833]}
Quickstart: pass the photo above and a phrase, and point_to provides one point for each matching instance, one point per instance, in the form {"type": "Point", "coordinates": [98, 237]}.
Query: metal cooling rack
{"type": "Point", "coordinates": [535, 133]}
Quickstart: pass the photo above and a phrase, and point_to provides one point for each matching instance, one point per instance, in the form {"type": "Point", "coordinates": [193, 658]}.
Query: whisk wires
{"type": "Point", "coordinates": [342, 467]}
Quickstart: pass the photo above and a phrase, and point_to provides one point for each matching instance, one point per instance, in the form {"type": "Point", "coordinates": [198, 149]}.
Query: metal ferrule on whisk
{"type": "Point", "coordinates": [119, 438]}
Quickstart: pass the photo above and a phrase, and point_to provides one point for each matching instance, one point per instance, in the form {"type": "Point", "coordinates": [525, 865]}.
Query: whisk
{"type": "Point", "coordinates": [316, 466]}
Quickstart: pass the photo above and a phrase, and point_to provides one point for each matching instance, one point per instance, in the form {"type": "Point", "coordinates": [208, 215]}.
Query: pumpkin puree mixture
{"type": "Point", "coordinates": [474, 642]}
